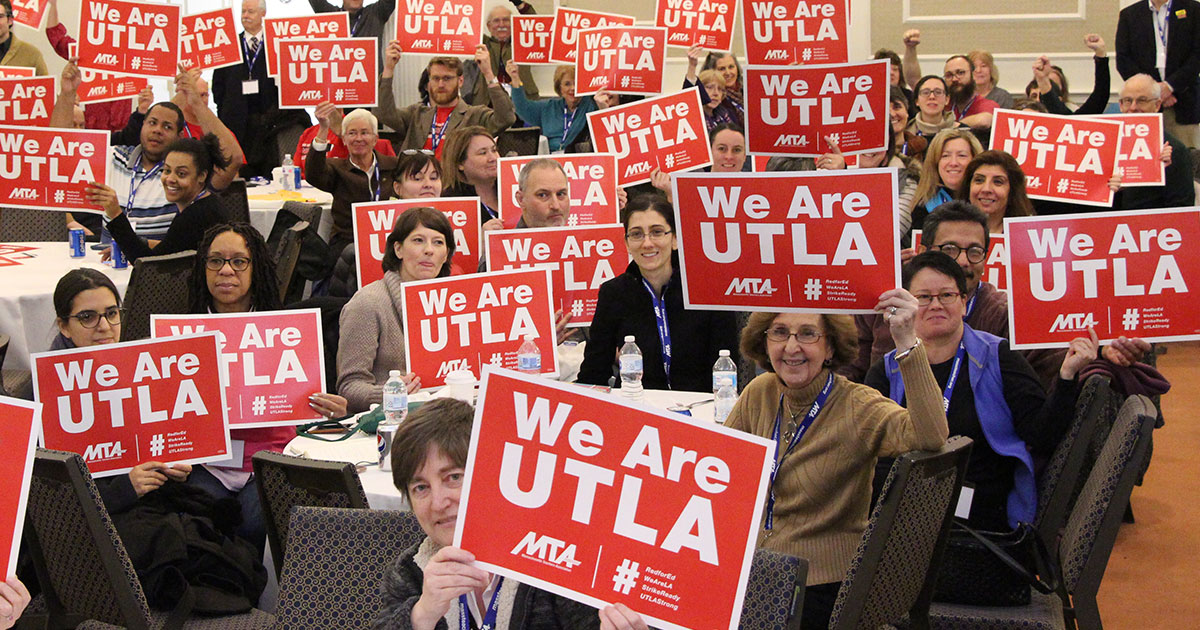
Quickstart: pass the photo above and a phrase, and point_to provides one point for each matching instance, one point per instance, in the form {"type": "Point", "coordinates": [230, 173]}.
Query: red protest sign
{"type": "Point", "coordinates": [591, 177]}
{"type": "Point", "coordinates": [439, 27]}
{"type": "Point", "coordinates": [792, 110]}
{"type": "Point", "coordinates": [8, 72]}
{"type": "Point", "coordinates": [50, 168]}
{"type": "Point", "coordinates": [625, 503]}
{"type": "Point", "coordinates": [100, 87]}
{"type": "Point", "coordinates": [822, 241]}
{"type": "Point", "coordinates": [342, 71]}
{"type": "Point", "coordinates": [580, 259]}
{"type": "Point", "coordinates": [466, 322]}
{"type": "Point", "coordinates": [309, 27]}
{"type": "Point", "coordinates": [27, 101]}
{"type": "Point", "coordinates": [995, 265]}
{"type": "Point", "coordinates": [18, 438]}
{"type": "Point", "coordinates": [568, 23]}
{"type": "Point", "coordinates": [122, 404]}
{"type": "Point", "coordinates": [29, 13]}
{"type": "Point", "coordinates": [373, 221]}
{"type": "Point", "coordinates": [1122, 273]}
{"type": "Point", "coordinates": [707, 23]}
{"type": "Point", "coordinates": [665, 133]}
{"type": "Point", "coordinates": [789, 32]}
{"type": "Point", "coordinates": [531, 36]}
{"type": "Point", "coordinates": [271, 362]}
{"type": "Point", "coordinates": [1140, 155]}
{"type": "Point", "coordinates": [135, 38]}
{"type": "Point", "coordinates": [622, 59]}
{"type": "Point", "coordinates": [209, 40]}
{"type": "Point", "coordinates": [1064, 158]}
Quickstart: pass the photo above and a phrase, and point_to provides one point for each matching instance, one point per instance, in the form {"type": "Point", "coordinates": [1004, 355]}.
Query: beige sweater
{"type": "Point", "coordinates": [823, 488]}
{"type": "Point", "coordinates": [371, 342]}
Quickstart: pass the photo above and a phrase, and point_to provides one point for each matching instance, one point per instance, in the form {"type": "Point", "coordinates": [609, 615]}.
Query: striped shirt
{"type": "Point", "coordinates": [149, 212]}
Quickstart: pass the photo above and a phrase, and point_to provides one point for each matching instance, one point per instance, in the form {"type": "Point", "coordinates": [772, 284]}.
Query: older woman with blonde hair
{"type": "Point", "coordinates": [828, 432]}
{"type": "Point", "coordinates": [942, 172]}
{"type": "Point", "coordinates": [563, 119]}
{"type": "Point", "coordinates": [987, 79]}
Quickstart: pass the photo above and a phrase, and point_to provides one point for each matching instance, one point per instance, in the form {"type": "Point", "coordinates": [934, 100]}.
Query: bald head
{"type": "Point", "coordinates": [1141, 94]}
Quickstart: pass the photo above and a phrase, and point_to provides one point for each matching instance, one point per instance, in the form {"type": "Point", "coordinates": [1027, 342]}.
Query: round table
{"type": "Point", "coordinates": [382, 494]}
{"type": "Point", "coordinates": [28, 274]}
{"type": "Point", "coordinates": [266, 201]}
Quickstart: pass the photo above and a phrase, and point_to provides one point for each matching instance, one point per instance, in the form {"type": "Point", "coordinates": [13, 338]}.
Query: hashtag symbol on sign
{"type": "Point", "coordinates": [669, 160]}
{"type": "Point", "coordinates": [1062, 185]}
{"type": "Point", "coordinates": [157, 443]}
{"type": "Point", "coordinates": [135, 63]}
{"type": "Point", "coordinates": [835, 139]}
{"type": "Point", "coordinates": [207, 59]}
{"type": "Point", "coordinates": [812, 289]}
{"type": "Point", "coordinates": [807, 54]}
{"type": "Point", "coordinates": [626, 576]}
{"type": "Point", "coordinates": [59, 196]}
{"type": "Point", "coordinates": [625, 81]}
{"type": "Point", "coordinates": [572, 220]}
{"type": "Point", "coordinates": [577, 308]}
{"type": "Point", "coordinates": [1130, 319]}
{"type": "Point", "coordinates": [497, 359]}
{"type": "Point", "coordinates": [259, 405]}
{"type": "Point", "coordinates": [337, 96]}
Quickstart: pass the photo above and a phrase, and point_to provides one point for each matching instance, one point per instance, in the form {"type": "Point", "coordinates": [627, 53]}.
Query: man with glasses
{"type": "Point", "coordinates": [1161, 39]}
{"type": "Point", "coordinates": [1141, 94]}
{"type": "Point", "coordinates": [337, 149]}
{"type": "Point", "coordinates": [424, 126]}
{"type": "Point", "coordinates": [967, 108]}
{"type": "Point", "coordinates": [14, 52]}
{"type": "Point", "coordinates": [498, 41]}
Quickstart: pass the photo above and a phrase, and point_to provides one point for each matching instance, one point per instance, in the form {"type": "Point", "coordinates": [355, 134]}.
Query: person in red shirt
{"type": "Point", "coordinates": [336, 148]}
{"type": "Point", "coordinates": [111, 115]}
{"type": "Point", "coordinates": [969, 109]}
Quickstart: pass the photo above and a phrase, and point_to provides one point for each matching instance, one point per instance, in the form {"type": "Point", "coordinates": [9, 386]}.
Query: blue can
{"type": "Point", "coordinates": [77, 242]}
{"type": "Point", "coordinates": [118, 257]}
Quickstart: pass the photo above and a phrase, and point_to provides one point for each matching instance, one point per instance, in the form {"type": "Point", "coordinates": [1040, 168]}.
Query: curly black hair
{"type": "Point", "coordinates": [264, 286]}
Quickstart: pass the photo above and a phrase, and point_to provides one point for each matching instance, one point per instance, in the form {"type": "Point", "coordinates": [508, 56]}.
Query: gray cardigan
{"type": "Point", "coordinates": [371, 342]}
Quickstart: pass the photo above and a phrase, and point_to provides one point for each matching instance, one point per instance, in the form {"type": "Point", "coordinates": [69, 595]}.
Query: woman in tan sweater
{"type": "Point", "coordinates": [829, 432]}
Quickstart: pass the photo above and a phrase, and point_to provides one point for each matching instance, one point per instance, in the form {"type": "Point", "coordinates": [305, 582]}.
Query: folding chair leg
{"type": "Point", "coordinates": [1087, 613]}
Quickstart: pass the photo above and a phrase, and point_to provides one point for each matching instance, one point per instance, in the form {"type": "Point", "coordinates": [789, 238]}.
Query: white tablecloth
{"type": "Point", "coordinates": [27, 295]}
{"type": "Point", "coordinates": [382, 494]}
{"type": "Point", "coordinates": [265, 202]}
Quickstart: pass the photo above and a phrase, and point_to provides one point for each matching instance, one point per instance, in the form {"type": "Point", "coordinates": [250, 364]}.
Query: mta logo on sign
{"type": "Point", "coordinates": [639, 168]}
{"type": "Point", "coordinates": [598, 82]}
{"type": "Point", "coordinates": [452, 365]}
{"type": "Point", "coordinates": [750, 286]}
{"type": "Point", "coordinates": [23, 193]}
{"type": "Point", "coordinates": [1072, 322]}
{"type": "Point", "coordinates": [547, 550]}
{"type": "Point", "coordinates": [776, 54]}
{"type": "Point", "coordinates": [107, 59]}
{"type": "Point", "coordinates": [310, 94]}
{"type": "Point", "coordinates": [791, 140]}
{"type": "Point", "coordinates": [422, 43]}
{"type": "Point", "coordinates": [97, 90]}
{"type": "Point", "coordinates": [103, 451]}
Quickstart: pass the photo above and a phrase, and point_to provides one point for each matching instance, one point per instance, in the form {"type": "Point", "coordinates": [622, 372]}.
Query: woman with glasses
{"type": "Point", "coordinates": [679, 346]}
{"type": "Point", "coordinates": [187, 172]}
{"type": "Point", "coordinates": [469, 168]}
{"type": "Point", "coordinates": [828, 433]}
{"type": "Point", "coordinates": [991, 393]}
{"type": "Point", "coordinates": [932, 100]}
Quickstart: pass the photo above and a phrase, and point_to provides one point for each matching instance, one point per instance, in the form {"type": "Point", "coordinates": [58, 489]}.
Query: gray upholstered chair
{"type": "Point", "coordinates": [21, 225]}
{"type": "Point", "coordinates": [285, 482]}
{"type": "Point", "coordinates": [286, 258]}
{"type": "Point", "coordinates": [335, 563]}
{"type": "Point", "coordinates": [774, 592]}
{"type": "Point", "coordinates": [237, 204]}
{"type": "Point", "coordinates": [158, 284]}
{"type": "Point", "coordinates": [889, 578]}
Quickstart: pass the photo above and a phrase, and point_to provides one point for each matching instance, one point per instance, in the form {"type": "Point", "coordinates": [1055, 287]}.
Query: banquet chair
{"type": "Point", "coordinates": [236, 203]}
{"type": "Point", "coordinates": [23, 225]}
{"type": "Point", "coordinates": [1086, 542]}
{"type": "Point", "coordinates": [158, 284]}
{"type": "Point", "coordinates": [890, 575]}
{"type": "Point", "coordinates": [287, 140]}
{"type": "Point", "coordinates": [291, 213]}
{"type": "Point", "coordinates": [520, 141]}
{"type": "Point", "coordinates": [285, 261]}
{"type": "Point", "coordinates": [87, 577]}
{"type": "Point", "coordinates": [285, 482]}
{"type": "Point", "coordinates": [774, 592]}
{"type": "Point", "coordinates": [335, 563]}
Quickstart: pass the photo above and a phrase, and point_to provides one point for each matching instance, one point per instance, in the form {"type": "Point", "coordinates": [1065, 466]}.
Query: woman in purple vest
{"type": "Point", "coordinates": [992, 394]}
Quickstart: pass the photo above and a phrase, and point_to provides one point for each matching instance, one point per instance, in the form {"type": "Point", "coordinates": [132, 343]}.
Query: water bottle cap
{"type": "Point", "coordinates": [394, 373]}
{"type": "Point", "coordinates": [723, 353]}
{"type": "Point", "coordinates": [287, 156]}
{"type": "Point", "coordinates": [628, 338]}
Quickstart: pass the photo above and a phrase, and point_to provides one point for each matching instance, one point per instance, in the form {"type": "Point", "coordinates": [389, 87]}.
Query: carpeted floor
{"type": "Point", "coordinates": [1153, 576]}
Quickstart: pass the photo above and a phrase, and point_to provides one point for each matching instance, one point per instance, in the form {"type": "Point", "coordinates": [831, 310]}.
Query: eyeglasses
{"type": "Point", "coordinates": [1141, 101]}
{"type": "Point", "coordinates": [216, 263]}
{"type": "Point", "coordinates": [946, 298]}
{"type": "Point", "coordinates": [927, 93]}
{"type": "Point", "coordinates": [781, 334]}
{"type": "Point", "coordinates": [416, 152]}
{"type": "Point", "coordinates": [975, 253]}
{"type": "Point", "coordinates": [637, 236]}
{"type": "Point", "coordinates": [91, 319]}
{"type": "Point", "coordinates": [956, 73]}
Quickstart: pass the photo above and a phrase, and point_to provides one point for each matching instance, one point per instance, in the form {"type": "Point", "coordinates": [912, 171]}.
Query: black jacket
{"type": "Point", "coordinates": [1136, 51]}
{"type": "Point", "coordinates": [625, 308]}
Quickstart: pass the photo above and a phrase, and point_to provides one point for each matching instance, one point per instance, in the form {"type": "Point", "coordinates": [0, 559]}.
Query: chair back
{"type": "Point", "coordinates": [158, 284]}
{"type": "Point", "coordinates": [286, 257]}
{"type": "Point", "coordinates": [89, 573]}
{"type": "Point", "coordinates": [335, 563]}
{"type": "Point", "coordinates": [890, 575]}
{"type": "Point", "coordinates": [23, 225]}
{"type": "Point", "coordinates": [520, 141]}
{"type": "Point", "coordinates": [774, 591]}
{"type": "Point", "coordinates": [1059, 482]}
{"type": "Point", "coordinates": [285, 482]}
{"type": "Point", "coordinates": [287, 139]}
{"type": "Point", "coordinates": [237, 205]}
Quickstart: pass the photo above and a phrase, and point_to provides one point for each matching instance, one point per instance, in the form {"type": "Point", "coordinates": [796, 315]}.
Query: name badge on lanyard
{"type": "Point", "coordinates": [664, 330]}
{"type": "Point", "coordinates": [250, 86]}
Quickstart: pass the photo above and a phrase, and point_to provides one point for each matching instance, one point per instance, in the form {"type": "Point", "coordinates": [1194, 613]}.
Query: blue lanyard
{"type": "Point", "coordinates": [489, 617]}
{"type": "Point", "coordinates": [374, 188]}
{"type": "Point", "coordinates": [815, 410]}
{"type": "Point", "coordinates": [971, 304]}
{"type": "Point", "coordinates": [664, 331]}
{"type": "Point", "coordinates": [567, 122]}
{"type": "Point", "coordinates": [357, 24]}
{"type": "Point", "coordinates": [437, 133]}
{"type": "Point", "coordinates": [491, 214]}
{"type": "Point", "coordinates": [954, 369]}
{"type": "Point", "coordinates": [133, 177]}
{"type": "Point", "coordinates": [250, 61]}
{"type": "Point", "coordinates": [958, 116]}
{"type": "Point", "coordinates": [1160, 28]}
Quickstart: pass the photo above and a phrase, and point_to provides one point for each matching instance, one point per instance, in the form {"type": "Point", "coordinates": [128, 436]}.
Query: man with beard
{"type": "Point", "coordinates": [425, 126]}
{"type": "Point", "coordinates": [498, 41]}
{"type": "Point", "coordinates": [969, 109]}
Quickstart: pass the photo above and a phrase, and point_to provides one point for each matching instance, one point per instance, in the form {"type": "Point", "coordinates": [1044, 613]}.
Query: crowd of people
{"type": "Point", "coordinates": [836, 393]}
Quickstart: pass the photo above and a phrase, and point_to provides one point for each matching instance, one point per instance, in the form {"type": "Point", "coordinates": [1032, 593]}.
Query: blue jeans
{"type": "Point", "coordinates": [253, 527]}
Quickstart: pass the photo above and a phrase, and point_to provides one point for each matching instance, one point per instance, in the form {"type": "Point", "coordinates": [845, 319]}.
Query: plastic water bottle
{"type": "Point", "coordinates": [631, 369]}
{"type": "Point", "coordinates": [289, 172]}
{"type": "Point", "coordinates": [529, 357]}
{"type": "Point", "coordinates": [724, 372]}
{"type": "Point", "coordinates": [395, 399]}
{"type": "Point", "coordinates": [726, 397]}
